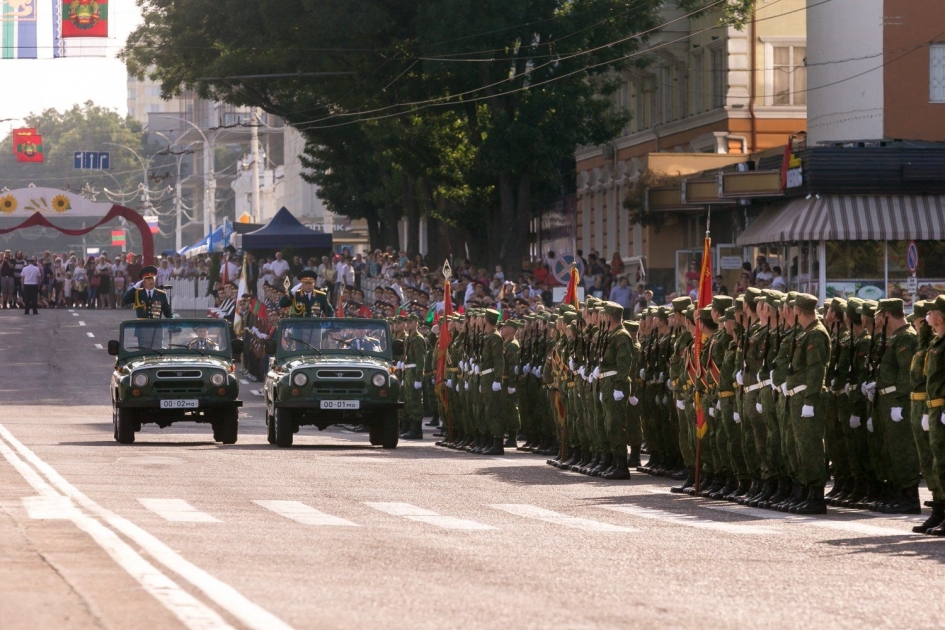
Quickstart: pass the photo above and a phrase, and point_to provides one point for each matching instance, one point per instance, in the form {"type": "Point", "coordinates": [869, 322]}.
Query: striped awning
{"type": "Point", "coordinates": [849, 218]}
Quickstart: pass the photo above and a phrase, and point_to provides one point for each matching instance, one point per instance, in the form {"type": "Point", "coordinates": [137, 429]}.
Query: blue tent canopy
{"type": "Point", "coordinates": [285, 230]}
{"type": "Point", "coordinates": [214, 242]}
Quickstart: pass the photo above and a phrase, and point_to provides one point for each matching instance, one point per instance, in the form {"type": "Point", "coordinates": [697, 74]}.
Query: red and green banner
{"type": "Point", "coordinates": [27, 147]}
{"type": "Point", "coordinates": [85, 18]}
{"type": "Point", "coordinates": [705, 299]}
{"type": "Point", "coordinates": [118, 237]}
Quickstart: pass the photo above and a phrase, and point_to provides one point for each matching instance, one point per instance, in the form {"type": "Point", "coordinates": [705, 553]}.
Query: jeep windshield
{"type": "Point", "coordinates": [333, 336]}
{"type": "Point", "coordinates": [174, 336]}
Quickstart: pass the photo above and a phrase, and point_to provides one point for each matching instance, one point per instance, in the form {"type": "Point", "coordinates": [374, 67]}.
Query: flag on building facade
{"type": "Point", "coordinates": [85, 18]}
{"type": "Point", "coordinates": [27, 147]}
{"type": "Point", "coordinates": [18, 21]}
{"type": "Point", "coordinates": [705, 299]}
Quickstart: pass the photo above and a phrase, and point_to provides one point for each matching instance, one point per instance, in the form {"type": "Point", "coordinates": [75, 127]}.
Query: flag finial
{"type": "Point", "coordinates": [447, 270]}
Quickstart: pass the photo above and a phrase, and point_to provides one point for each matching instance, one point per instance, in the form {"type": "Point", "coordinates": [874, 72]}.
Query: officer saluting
{"type": "Point", "coordinates": [149, 302]}
{"type": "Point", "coordinates": [301, 301]}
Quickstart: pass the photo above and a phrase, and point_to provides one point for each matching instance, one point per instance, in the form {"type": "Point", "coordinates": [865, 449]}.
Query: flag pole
{"type": "Point", "coordinates": [706, 251]}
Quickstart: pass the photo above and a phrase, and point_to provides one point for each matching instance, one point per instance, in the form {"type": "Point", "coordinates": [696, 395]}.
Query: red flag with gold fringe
{"type": "Point", "coordinates": [571, 295]}
{"type": "Point", "coordinates": [705, 299]}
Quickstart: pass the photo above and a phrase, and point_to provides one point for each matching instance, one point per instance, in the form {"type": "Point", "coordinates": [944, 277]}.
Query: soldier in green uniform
{"type": "Point", "coordinates": [790, 489]}
{"type": "Point", "coordinates": [491, 367]}
{"type": "Point", "coordinates": [678, 385]}
{"type": "Point", "coordinates": [301, 301]}
{"type": "Point", "coordinates": [149, 302]}
{"type": "Point", "coordinates": [920, 416]}
{"type": "Point", "coordinates": [727, 408]}
{"type": "Point", "coordinates": [838, 407]}
{"type": "Point", "coordinates": [806, 390]}
{"type": "Point", "coordinates": [893, 408]}
{"type": "Point", "coordinates": [714, 358]}
{"type": "Point", "coordinates": [612, 377]}
{"type": "Point", "coordinates": [634, 424]}
{"type": "Point", "coordinates": [509, 393]}
{"type": "Point", "coordinates": [413, 379]}
{"type": "Point", "coordinates": [757, 355]}
{"type": "Point", "coordinates": [935, 407]}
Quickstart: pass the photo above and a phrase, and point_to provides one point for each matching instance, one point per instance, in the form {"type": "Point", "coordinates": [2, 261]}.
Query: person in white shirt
{"type": "Point", "coordinates": [163, 273]}
{"type": "Point", "coordinates": [31, 278]}
{"type": "Point", "coordinates": [279, 268]}
{"type": "Point", "coordinates": [777, 281]}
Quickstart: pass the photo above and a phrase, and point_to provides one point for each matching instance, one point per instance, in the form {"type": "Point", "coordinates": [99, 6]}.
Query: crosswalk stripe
{"type": "Point", "coordinates": [420, 515]}
{"type": "Point", "coordinates": [81, 323]}
{"type": "Point", "coordinates": [688, 520]}
{"type": "Point", "coordinates": [304, 514]}
{"type": "Point", "coordinates": [177, 510]}
{"type": "Point", "coordinates": [556, 518]}
{"type": "Point", "coordinates": [845, 526]}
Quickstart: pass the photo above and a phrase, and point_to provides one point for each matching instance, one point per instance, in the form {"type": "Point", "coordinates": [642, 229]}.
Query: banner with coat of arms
{"type": "Point", "coordinates": [85, 18]}
{"type": "Point", "coordinates": [27, 145]}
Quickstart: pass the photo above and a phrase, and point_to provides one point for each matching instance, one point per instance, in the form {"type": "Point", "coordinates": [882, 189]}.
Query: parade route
{"type": "Point", "coordinates": [178, 531]}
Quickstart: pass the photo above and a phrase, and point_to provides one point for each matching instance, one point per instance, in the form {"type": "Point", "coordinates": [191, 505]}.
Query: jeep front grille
{"type": "Point", "coordinates": [178, 374]}
{"type": "Point", "coordinates": [338, 388]}
{"type": "Point", "coordinates": [333, 374]}
{"type": "Point", "coordinates": [178, 388]}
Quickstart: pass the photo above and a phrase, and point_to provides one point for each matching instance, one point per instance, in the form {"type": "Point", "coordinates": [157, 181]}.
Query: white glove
{"type": "Point", "coordinates": [771, 375]}
{"type": "Point", "coordinates": [138, 284]}
{"type": "Point", "coordinates": [739, 379]}
{"type": "Point", "coordinates": [759, 408]}
{"type": "Point", "coordinates": [711, 412]}
{"type": "Point", "coordinates": [657, 399]}
{"type": "Point", "coordinates": [449, 383]}
{"type": "Point", "coordinates": [662, 376]}
{"type": "Point", "coordinates": [855, 422]}
{"type": "Point", "coordinates": [897, 414]}
{"type": "Point", "coordinates": [737, 418]}
{"type": "Point", "coordinates": [596, 373]}
{"type": "Point", "coordinates": [680, 405]}
{"type": "Point", "coordinates": [516, 370]}
{"type": "Point", "coordinates": [433, 381]}
{"type": "Point", "coordinates": [511, 390]}
{"type": "Point", "coordinates": [600, 397]}
{"type": "Point", "coordinates": [480, 388]}
{"type": "Point", "coordinates": [870, 388]}
{"type": "Point", "coordinates": [618, 395]}
{"type": "Point", "coordinates": [666, 400]}
{"type": "Point", "coordinates": [467, 385]}
{"type": "Point", "coordinates": [571, 364]}
{"type": "Point", "coordinates": [496, 386]}
{"type": "Point", "coordinates": [807, 411]}
{"type": "Point", "coordinates": [634, 401]}
{"type": "Point", "coordinates": [718, 405]}
{"type": "Point", "coordinates": [457, 388]}
{"type": "Point", "coordinates": [538, 371]}
{"type": "Point", "coordinates": [869, 425]}
{"type": "Point", "coordinates": [581, 371]}
{"type": "Point", "coordinates": [417, 384]}
{"type": "Point", "coordinates": [784, 389]}
{"type": "Point", "coordinates": [925, 422]}
{"type": "Point", "coordinates": [528, 367]}
{"type": "Point", "coordinates": [643, 373]}
{"type": "Point", "coordinates": [400, 365]}
{"type": "Point", "coordinates": [462, 365]}
{"type": "Point", "coordinates": [476, 369]}
{"type": "Point", "coordinates": [774, 387]}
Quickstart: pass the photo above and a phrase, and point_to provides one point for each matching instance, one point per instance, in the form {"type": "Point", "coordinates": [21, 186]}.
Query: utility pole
{"type": "Point", "coordinates": [257, 212]}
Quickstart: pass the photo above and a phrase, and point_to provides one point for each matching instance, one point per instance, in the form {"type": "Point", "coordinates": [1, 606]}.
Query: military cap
{"type": "Point", "coordinates": [663, 314]}
{"type": "Point", "coordinates": [307, 274]}
{"type": "Point", "coordinates": [838, 305]}
{"type": "Point", "coordinates": [852, 304]}
{"type": "Point", "coordinates": [631, 326]}
{"type": "Point", "coordinates": [680, 304]}
{"type": "Point", "coordinates": [937, 305]}
{"type": "Point", "coordinates": [739, 304]}
{"type": "Point", "coordinates": [729, 314]}
{"type": "Point", "coordinates": [592, 302]}
{"type": "Point", "coordinates": [492, 316]}
{"type": "Point", "coordinates": [569, 318]}
{"type": "Point", "coordinates": [920, 309]}
{"type": "Point", "coordinates": [511, 323]}
{"type": "Point", "coordinates": [146, 272]}
{"type": "Point", "coordinates": [705, 316]}
{"type": "Point", "coordinates": [867, 309]}
{"type": "Point", "coordinates": [613, 309]}
{"type": "Point", "coordinates": [751, 295]}
{"type": "Point", "coordinates": [773, 294]}
{"type": "Point", "coordinates": [890, 305]}
{"type": "Point", "coordinates": [721, 302]}
{"type": "Point", "coordinates": [806, 302]}
{"type": "Point", "coordinates": [412, 317]}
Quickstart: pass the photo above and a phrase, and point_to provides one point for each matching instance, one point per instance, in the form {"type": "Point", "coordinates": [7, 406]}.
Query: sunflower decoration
{"type": "Point", "coordinates": [60, 203]}
{"type": "Point", "coordinates": [7, 204]}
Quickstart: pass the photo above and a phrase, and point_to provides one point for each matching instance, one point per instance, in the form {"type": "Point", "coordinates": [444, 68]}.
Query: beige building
{"type": "Point", "coordinates": [710, 89]}
{"type": "Point", "coordinates": [144, 97]}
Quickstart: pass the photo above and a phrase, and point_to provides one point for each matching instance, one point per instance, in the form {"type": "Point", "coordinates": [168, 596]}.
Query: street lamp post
{"type": "Point", "coordinates": [178, 209]}
{"type": "Point", "coordinates": [144, 169]}
{"type": "Point", "coordinates": [210, 183]}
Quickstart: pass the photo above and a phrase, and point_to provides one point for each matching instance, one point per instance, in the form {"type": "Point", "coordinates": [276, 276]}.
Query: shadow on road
{"type": "Point", "coordinates": [907, 546]}
{"type": "Point", "coordinates": [545, 476]}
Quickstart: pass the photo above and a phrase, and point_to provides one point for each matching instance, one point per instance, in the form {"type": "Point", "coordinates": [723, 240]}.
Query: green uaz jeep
{"type": "Point", "coordinates": [172, 370]}
{"type": "Point", "coordinates": [329, 371]}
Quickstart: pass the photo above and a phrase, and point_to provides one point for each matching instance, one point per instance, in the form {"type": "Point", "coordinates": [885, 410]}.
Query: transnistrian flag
{"type": "Point", "coordinates": [85, 18]}
{"type": "Point", "coordinates": [28, 147]}
{"type": "Point", "coordinates": [118, 237]}
{"type": "Point", "coordinates": [23, 132]}
{"type": "Point", "coordinates": [18, 29]}
{"type": "Point", "coordinates": [705, 299]}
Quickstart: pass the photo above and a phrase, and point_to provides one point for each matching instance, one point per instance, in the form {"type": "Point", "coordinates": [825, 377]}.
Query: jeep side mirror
{"type": "Point", "coordinates": [113, 348]}
{"type": "Point", "coordinates": [237, 346]}
{"type": "Point", "coordinates": [270, 346]}
{"type": "Point", "coordinates": [397, 347]}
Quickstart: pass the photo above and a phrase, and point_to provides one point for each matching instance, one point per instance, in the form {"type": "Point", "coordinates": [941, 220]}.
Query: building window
{"type": "Point", "coordinates": [697, 97]}
{"type": "Point", "coordinates": [937, 73]}
{"type": "Point", "coordinates": [789, 79]}
{"type": "Point", "coordinates": [717, 70]}
{"type": "Point", "coordinates": [666, 94]}
{"type": "Point", "coordinates": [682, 93]}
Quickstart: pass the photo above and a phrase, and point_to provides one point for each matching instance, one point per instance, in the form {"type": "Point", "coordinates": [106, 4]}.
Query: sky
{"type": "Point", "coordinates": [32, 85]}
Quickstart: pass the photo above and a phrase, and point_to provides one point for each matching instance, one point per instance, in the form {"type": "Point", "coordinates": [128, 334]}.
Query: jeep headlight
{"type": "Point", "coordinates": [217, 379]}
{"type": "Point", "coordinates": [379, 380]}
{"type": "Point", "coordinates": [300, 379]}
{"type": "Point", "coordinates": [140, 379]}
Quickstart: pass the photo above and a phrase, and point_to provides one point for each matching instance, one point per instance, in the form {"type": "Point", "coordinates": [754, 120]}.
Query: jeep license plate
{"type": "Point", "coordinates": [341, 404]}
{"type": "Point", "coordinates": [180, 404]}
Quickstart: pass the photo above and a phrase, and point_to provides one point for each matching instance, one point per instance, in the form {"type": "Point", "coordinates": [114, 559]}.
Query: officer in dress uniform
{"type": "Point", "coordinates": [149, 301]}
{"type": "Point", "coordinates": [202, 341]}
{"type": "Point", "coordinates": [300, 301]}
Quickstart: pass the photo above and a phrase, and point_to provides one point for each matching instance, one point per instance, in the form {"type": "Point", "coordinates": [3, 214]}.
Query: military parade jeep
{"type": "Point", "coordinates": [173, 370]}
{"type": "Point", "coordinates": [329, 371]}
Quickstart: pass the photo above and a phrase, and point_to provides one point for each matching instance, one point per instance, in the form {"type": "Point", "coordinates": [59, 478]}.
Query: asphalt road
{"type": "Point", "coordinates": [177, 531]}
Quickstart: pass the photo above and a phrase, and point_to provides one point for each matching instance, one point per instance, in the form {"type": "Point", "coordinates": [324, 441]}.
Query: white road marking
{"type": "Point", "coordinates": [90, 335]}
{"type": "Point", "coordinates": [256, 392]}
{"type": "Point", "coordinates": [414, 513]}
{"type": "Point", "coordinates": [688, 520]}
{"type": "Point", "coordinates": [75, 314]}
{"type": "Point", "coordinates": [177, 510]}
{"type": "Point", "coordinates": [72, 310]}
{"type": "Point", "coordinates": [99, 346]}
{"type": "Point", "coordinates": [81, 323]}
{"type": "Point", "coordinates": [191, 612]}
{"type": "Point", "coordinates": [815, 521]}
{"type": "Point", "coordinates": [301, 513]}
{"type": "Point", "coordinates": [188, 609]}
{"type": "Point", "coordinates": [556, 518]}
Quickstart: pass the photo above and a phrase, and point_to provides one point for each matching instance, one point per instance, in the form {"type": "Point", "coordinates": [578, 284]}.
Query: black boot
{"type": "Point", "coordinates": [590, 464]}
{"type": "Point", "coordinates": [860, 489]}
{"type": "Point", "coordinates": [740, 491]}
{"type": "Point", "coordinates": [838, 485]}
{"type": "Point", "coordinates": [619, 471]}
{"type": "Point", "coordinates": [705, 482]}
{"type": "Point", "coordinates": [936, 519]}
{"type": "Point", "coordinates": [511, 443]}
{"type": "Point", "coordinates": [582, 460]}
{"type": "Point", "coordinates": [815, 503]}
{"type": "Point", "coordinates": [798, 498]}
{"type": "Point", "coordinates": [730, 485]}
{"type": "Point", "coordinates": [496, 448]}
{"type": "Point", "coordinates": [605, 461]}
{"type": "Point", "coordinates": [781, 493]}
{"type": "Point", "coordinates": [789, 488]}
{"type": "Point", "coordinates": [633, 459]}
{"type": "Point", "coordinates": [908, 502]}
{"type": "Point", "coordinates": [753, 489]}
{"type": "Point", "coordinates": [415, 432]}
{"type": "Point", "coordinates": [767, 491]}
{"type": "Point", "coordinates": [526, 446]}
{"type": "Point", "coordinates": [570, 459]}
{"type": "Point", "coordinates": [434, 422]}
{"type": "Point", "coordinates": [718, 483]}
{"type": "Point", "coordinates": [689, 483]}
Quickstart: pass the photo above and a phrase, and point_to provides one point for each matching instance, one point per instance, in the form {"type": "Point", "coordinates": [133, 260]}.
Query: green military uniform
{"type": "Point", "coordinates": [613, 377]}
{"type": "Point", "coordinates": [416, 349]}
{"type": "Point", "coordinates": [509, 395]}
{"type": "Point", "coordinates": [935, 408]}
{"type": "Point", "coordinates": [301, 304]}
{"type": "Point", "coordinates": [146, 303]}
{"type": "Point", "coordinates": [491, 368]}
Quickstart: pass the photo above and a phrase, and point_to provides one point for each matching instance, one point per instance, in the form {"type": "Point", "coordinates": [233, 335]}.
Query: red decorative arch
{"type": "Point", "coordinates": [38, 201]}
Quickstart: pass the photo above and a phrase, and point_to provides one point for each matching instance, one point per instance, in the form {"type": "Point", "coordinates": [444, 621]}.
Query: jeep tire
{"type": "Point", "coordinates": [226, 426]}
{"type": "Point", "coordinates": [284, 427]}
{"type": "Point", "coordinates": [125, 426]}
{"type": "Point", "coordinates": [270, 428]}
{"type": "Point", "coordinates": [386, 431]}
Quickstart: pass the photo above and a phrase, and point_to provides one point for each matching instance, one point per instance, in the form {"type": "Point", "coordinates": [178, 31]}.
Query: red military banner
{"type": "Point", "coordinates": [85, 18]}
{"type": "Point", "coordinates": [705, 299]}
{"type": "Point", "coordinates": [28, 147]}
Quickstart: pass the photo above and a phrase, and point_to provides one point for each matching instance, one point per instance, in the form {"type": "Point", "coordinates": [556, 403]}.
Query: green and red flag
{"type": "Point", "coordinates": [571, 295]}
{"type": "Point", "coordinates": [28, 147]}
{"type": "Point", "coordinates": [23, 132]}
{"type": "Point", "coordinates": [118, 237]}
{"type": "Point", "coordinates": [85, 18]}
{"type": "Point", "coordinates": [704, 299]}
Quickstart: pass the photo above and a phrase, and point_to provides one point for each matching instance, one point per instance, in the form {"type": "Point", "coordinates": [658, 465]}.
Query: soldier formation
{"type": "Point", "coordinates": [792, 394]}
